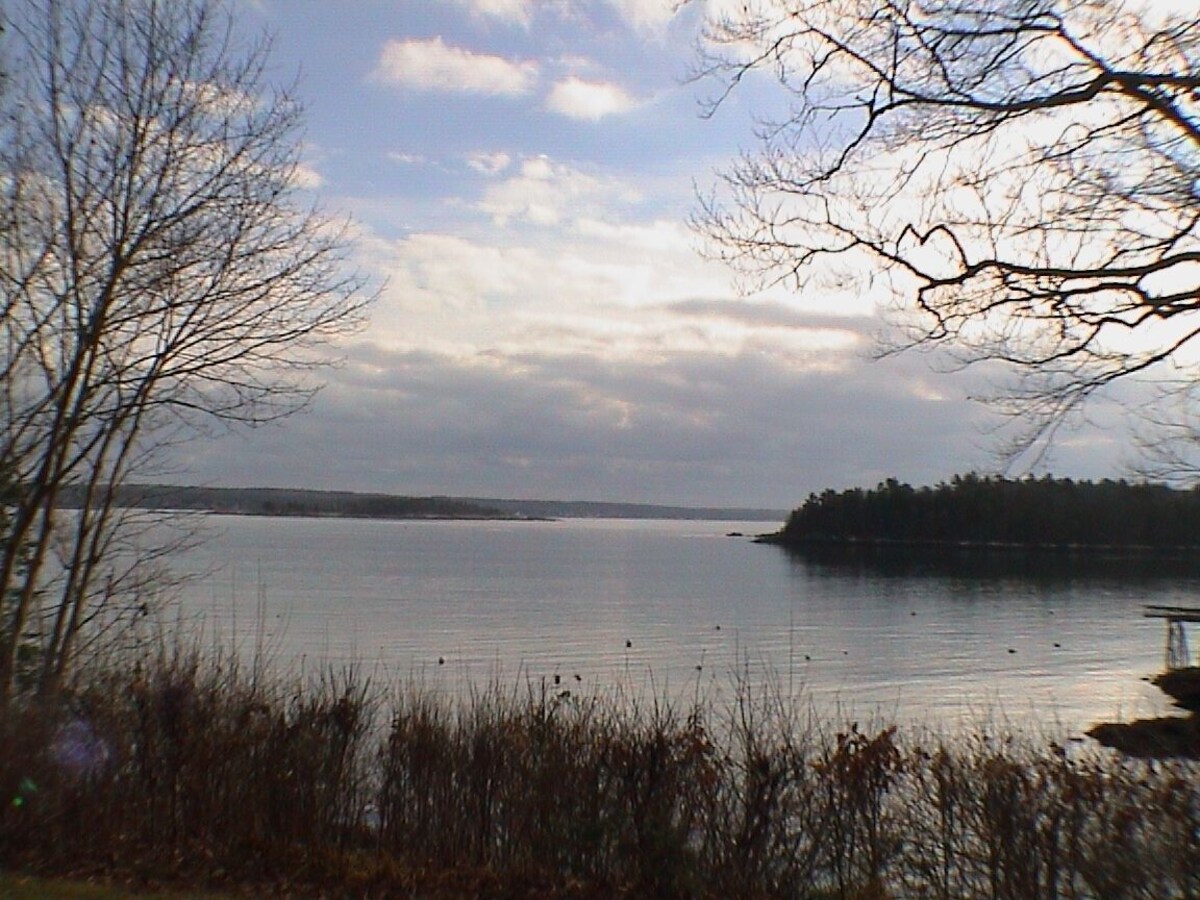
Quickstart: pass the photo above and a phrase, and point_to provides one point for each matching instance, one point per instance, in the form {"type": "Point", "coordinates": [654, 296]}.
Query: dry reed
{"type": "Point", "coordinates": [192, 767]}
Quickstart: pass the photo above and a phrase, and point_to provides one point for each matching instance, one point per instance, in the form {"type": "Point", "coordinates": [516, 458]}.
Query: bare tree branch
{"type": "Point", "coordinates": [1025, 173]}
{"type": "Point", "coordinates": [159, 273]}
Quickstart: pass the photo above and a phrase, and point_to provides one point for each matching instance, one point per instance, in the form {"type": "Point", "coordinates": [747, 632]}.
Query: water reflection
{"type": "Point", "coordinates": [680, 606]}
{"type": "Point", "coordinates": [1050, 566]}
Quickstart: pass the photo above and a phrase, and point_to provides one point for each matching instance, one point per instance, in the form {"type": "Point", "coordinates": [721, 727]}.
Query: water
{"type": "Point", "coordinates": [678, 607]}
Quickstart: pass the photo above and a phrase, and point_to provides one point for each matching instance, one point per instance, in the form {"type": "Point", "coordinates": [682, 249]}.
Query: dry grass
{"type": "Point", "coordinates": [28, 887]}
{"type": "Point", "coordinates": [200, 771]}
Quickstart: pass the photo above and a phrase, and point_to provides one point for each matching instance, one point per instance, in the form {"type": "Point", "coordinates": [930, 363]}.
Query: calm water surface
{"type": "Point", "coordinates": [678, 607]}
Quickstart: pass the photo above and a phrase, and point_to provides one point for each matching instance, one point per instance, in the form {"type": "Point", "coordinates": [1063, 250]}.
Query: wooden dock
{"type": "Point", "coordinates": [1178, 618]}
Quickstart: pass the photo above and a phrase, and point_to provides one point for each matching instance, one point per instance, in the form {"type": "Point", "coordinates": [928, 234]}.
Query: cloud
{"type": "Point", "coordinates": [516, 11]}
{"type": "Point", "coordinates": [587, 100]}
{"type": "Point", "coordinates": [690, 427]}
{"type": "Point", "coordinates": [547, 193]}
{"type": "Point", "coordinates": [406, 159]}
{"type": "Point", "coordinates": [646, 15]}
{"type": "Point", "coordinates": [604, 360]}
{"type": "Point", "coordinates": [551, 258]}
{"type": "Point", "coordinates": [626, 298]}
{"type": "Point", "coordinates": [306, 177]}
{"type": "Point", "coordinates": [642, 15]}
{"type": "Point", "coordinates": [432, 65]}
{"type": "Point", "coordinates": [488, 163]}
{"type": "Point", "coordinates": [772, 314]}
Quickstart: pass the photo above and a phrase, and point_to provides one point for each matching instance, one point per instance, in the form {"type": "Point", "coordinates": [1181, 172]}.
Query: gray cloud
{"type": "Point", "coordinates": [771, 314]}
{"type": "Point", "coordinates": [695, 428]}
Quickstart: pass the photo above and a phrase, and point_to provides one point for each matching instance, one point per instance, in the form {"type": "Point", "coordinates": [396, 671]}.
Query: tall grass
{"type": "Point", "coordinates": [190, 766]}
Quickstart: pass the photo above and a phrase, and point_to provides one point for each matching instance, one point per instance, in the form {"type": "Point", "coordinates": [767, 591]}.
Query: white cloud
{"type": "Point", "coordinates": [406, 159]}
{"type": "Point", "coordinates": [546, 193]}
{"type": "Point", "coordinates": [603, 286]}
{"type": "Point", "coordinates": [306, 177]}
{"type": "Point", "coordinates": [489, 163]}
{"type": "Point", "coordinates": [432, 65]}
{"type": "Point", "coordinates": [517, 11]}
{"type": "Point", "coordinates": [646, 15]}
{"type": "Point", "coordinates": [665, 236]}
{"type": "Point", "coordinates": [587, 100]}
{"type": "Point", "coordinates": [642, 15]}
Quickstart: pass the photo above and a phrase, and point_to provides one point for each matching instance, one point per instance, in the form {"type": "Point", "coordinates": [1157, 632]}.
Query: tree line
{"type": "Point", "coordinates": [290, 502]}
{"type": "Point", "coordinates": [982, 509]}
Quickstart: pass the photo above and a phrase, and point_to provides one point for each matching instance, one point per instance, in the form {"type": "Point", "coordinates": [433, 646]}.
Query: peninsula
{"type": "Point", "coordinates": [995, 512]}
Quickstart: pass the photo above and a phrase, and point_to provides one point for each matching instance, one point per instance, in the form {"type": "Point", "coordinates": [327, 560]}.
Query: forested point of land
{"type": "Point", "coordinates": [993, 511]}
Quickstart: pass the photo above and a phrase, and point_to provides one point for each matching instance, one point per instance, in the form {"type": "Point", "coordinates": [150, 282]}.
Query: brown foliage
{"type": "Point", "coordinates": [208, 772]}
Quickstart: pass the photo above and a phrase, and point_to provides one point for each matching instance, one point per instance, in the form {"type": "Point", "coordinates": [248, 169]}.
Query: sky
{"type": "Point", "coordinates": [521, 175]}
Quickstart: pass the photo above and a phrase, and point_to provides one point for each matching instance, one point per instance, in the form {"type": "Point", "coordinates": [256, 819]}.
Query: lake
{"type": "Point", "coordinates": [675, 607]}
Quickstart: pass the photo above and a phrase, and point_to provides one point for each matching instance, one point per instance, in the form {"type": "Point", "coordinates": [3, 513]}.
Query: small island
{"type": "Point", "coordinates": [993, 512]}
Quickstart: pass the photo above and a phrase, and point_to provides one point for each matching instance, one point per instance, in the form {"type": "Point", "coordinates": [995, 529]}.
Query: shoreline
{"type": "Point", "coordinates": [780, 539]}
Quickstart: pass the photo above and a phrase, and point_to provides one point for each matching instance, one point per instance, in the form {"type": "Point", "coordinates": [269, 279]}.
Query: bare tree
{"type": "Point", "coordinates": [1019, 177]}
{"type": "Point", "coordinates": [159, 275]}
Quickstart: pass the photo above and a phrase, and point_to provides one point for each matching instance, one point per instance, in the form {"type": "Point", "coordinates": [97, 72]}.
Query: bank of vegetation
{"type": "Point", "coordinates": [195, 770]}
{"type": "Point", "coordinates": [289, 502]}
{"type": "Point", "coordinates": [992, 511]}
{"type": "Point", "coordinates": [352, 504]}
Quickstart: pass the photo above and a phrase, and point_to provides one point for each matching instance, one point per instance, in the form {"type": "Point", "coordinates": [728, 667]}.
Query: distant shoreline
{"type": "Point", "coordinates": [399, 517]}
{"type": "Point", "coordinates": [303, 502]}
